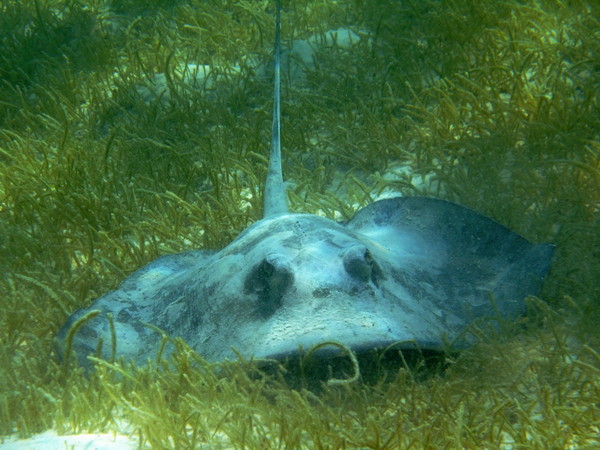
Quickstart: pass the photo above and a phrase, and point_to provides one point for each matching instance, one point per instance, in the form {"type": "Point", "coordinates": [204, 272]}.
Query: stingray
{"type": "Point", "coordinates": [411, 271]}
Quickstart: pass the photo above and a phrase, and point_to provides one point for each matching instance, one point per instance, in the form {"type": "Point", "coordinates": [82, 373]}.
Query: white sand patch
{"type": "Point", "coordinates": [51, 440]}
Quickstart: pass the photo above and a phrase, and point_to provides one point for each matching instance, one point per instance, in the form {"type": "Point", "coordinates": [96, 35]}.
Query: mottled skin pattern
{"type": "Point", "coordinates": [417, 270]}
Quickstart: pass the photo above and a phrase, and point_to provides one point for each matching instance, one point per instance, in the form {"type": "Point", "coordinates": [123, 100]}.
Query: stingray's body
{"type": "Point", "coordinates": [413, 271]}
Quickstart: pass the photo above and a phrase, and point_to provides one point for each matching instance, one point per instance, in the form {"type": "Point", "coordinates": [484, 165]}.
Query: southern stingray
{"type": "Point", "coordinates": [414, 271]}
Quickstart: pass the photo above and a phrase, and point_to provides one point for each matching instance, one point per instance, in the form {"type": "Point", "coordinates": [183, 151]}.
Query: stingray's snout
{"type": "Point", "coordinates": [359, 264]}
{"type": "Point", "coordinates": [269, 280]}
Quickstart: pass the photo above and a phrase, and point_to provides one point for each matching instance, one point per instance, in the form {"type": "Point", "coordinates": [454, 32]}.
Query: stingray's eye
{"type": "Point", "coordinates": [269, 280]}
{"type": "Point", "coordinates": [359, 263]}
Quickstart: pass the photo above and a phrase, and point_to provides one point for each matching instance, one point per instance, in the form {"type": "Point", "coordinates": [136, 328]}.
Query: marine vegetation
{"type": "Point", "coordinates": [129, 130]}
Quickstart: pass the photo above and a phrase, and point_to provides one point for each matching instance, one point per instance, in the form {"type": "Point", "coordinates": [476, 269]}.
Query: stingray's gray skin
{"type": "Point", "coordinates": [413, 270]}
{"type": "Point", "coordinates": [404, 269]}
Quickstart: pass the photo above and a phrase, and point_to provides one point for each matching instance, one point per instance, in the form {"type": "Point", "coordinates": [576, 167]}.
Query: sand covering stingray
{"type": "Point", "coordinates": [417, 271]}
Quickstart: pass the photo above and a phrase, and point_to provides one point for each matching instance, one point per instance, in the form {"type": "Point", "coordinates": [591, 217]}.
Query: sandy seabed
{"type": "Point", "coordinates": [51, 440]}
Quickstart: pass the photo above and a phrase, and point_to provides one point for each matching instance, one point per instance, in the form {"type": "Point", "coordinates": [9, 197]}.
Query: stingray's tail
{"type": "Point", "coordinates": [274, 198]}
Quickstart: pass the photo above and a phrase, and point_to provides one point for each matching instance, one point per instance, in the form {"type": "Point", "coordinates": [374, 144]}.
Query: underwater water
{"type": "Point", "coordinates": [129, 130]}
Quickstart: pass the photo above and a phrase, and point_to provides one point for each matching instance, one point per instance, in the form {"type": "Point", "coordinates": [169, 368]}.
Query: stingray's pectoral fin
{"type": "Point", "coordinates": [269, 280]}
{"type": "Point", "coordinates": [452, 257]}
{"type": "Point", "coordinates": [523, 276]}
